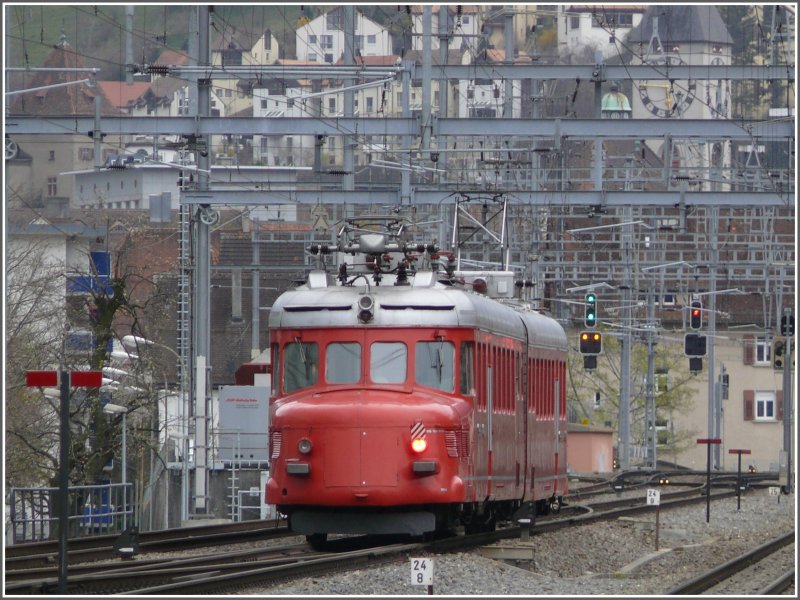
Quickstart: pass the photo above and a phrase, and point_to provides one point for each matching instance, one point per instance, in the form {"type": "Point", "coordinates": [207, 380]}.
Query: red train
{"type": "Point", "coordinates": [406, 400]}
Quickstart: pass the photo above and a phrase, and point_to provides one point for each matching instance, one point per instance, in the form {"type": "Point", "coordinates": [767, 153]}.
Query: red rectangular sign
{"type": "Point", "coordinates": [41, 378]}
{"type": "Point", "coordinates": [738, 451]}
{"type": "Point", "coordinates": [85, 378]}
{"type": "Point", "coordinates": [709, 441]}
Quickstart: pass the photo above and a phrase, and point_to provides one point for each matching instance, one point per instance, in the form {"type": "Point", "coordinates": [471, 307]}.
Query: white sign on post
{"type": "Point", "coordinates": [774, 490]}
{"type": "Point", "coordinates": [421, 571]}
{"type": "Point", "coordinates": [653, 497]}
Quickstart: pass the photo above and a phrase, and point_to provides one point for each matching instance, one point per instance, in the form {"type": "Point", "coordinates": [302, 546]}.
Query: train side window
{"type": "Point", "coordinates": [300, 365]}
{"type": "Point", "coordinates": [276, 372]}
{"type": "Point", "coordinates": [343, 362]}
{"type": "Point", "coordinates": [387, 362]}
{"type": "Point", "coordinates": [434, 363]}
{"type": "Point", "coordinates": [466, 369]}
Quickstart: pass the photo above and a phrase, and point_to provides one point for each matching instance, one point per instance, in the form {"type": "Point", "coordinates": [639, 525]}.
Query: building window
{"type": "Point", "coordinates": [52, 187]}
{"type": "Point", "coordinates": [765, 406]}
{"type": "Point", "coordinates": [329, 57]}
{"type": "Point", "coordinates": [465, 19]}
{"type": "Point", "coordinates": [52, 155]}
{"type": "Point", "coordinates": [333, 20]}
{"type": "Point", "coordinates": [263, 103]}
{"type": "Point", "coordinates": [574, 22]}
{"type": "Point", "coordinates": [86, 154]}
{"type": "Point", "coordinates": [332, 105]}
{"type": "Point", "coordinates": [624, 19]}
{"type": "Point", "coordinates": [763, 351]}
{"type": "Point", "coordinates": [312, 57]}
{"type": "Point", "coordinates": [371, 39]}
{"type": "Point", "coordinates": [370, 104]}
{"type": "Point", "coordinates": [312, 39]}
{"type": "Point", "coordinates": [326, 41]}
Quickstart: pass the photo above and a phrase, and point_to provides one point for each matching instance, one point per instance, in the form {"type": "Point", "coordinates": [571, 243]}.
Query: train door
{"type": "Point", "coordinates": [560, 424]}
{"type": "Point", "coordinates": [482, 419]}
{"type": "Point", "coordinates": [521, 419]}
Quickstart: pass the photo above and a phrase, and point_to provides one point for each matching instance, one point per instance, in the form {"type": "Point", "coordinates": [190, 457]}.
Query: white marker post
{"type": "Point", "coordinates": [422, 573]}
{"type": "Point", "coordinates": [654, 499]}
{"type": "Point", "coordinates": [775, 490]}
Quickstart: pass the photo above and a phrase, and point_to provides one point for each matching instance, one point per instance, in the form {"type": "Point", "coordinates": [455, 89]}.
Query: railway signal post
{"type": "Point", "coordinates": [708, 442]}
{"type": "Point", "coordinates": [738, 475]}
{"type": "Point", "coordinates": [654, 499]}
{"type": "Point", "coordinates": [64, 380]}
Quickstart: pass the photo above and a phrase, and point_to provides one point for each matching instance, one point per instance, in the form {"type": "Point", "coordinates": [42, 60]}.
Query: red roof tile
{"type": "Point", "coordinates": [121, 94]}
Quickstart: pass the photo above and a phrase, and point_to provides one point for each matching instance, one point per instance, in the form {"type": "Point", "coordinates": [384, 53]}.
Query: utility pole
{"type": "Point", "coordinates": [788, 418]}
{"type": "Point", "coordinates": [129, 44]}
{"type": "Point", "coordinates": [650, 414]}
{"type": "Point", "coordinates": [508, 30]}
{"type": "Point", "coordinates": [444, 49]}
{"type": "Point", "coordinates": [348, 140]}
{"type": "Point", "coordinates": [427, 40]}
{"type": "Point", "coordinates": [202, 287]}
{"type": "Point", "coordinates": [714, 421]}
{"type": "Point", "coordinates": [625, 360]}
{"type": "Point", "coordinates": [405, 174]}
{"type": "Point", "coordinates": [255, 293]}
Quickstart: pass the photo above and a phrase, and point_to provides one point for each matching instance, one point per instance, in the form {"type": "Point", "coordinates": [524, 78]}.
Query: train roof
{"type": "Point", "coordinates": [424, 302]}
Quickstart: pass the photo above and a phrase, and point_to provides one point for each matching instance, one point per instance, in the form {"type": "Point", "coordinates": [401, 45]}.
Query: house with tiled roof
{"type": "Point", "coordinates": [321, 40]}
{"type": "Point", "coordinates": [52, 155]}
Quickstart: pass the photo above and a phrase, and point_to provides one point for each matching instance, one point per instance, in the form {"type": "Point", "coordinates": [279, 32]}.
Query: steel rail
{"type": "Point", "coordinates": [780, 585]}
{"type": "Point", "coordinates": [714, 576]}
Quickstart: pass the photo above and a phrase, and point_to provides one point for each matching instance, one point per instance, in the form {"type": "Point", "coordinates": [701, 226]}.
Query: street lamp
{"type": "Point", "coordinates": [121, 410]}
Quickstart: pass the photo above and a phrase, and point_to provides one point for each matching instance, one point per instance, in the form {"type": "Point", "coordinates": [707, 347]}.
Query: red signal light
{"type": "Point", "coordinates": [696, 315]}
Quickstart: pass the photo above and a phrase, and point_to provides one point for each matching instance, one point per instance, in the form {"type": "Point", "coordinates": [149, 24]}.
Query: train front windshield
{"type": "Point", "coordinates": [387, 363]}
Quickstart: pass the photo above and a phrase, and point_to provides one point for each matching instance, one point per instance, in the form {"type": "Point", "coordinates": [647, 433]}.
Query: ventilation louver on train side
{"type": "Point", "coordinates": [275, 444]}
{"type": "Point", "coordinates": [457, 443]}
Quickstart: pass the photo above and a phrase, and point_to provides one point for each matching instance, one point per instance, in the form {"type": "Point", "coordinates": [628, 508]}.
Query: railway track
{"type": "Point", "coordinates": [228, 571]}
{"type": "Point", "coordinates": [86, 549]}
{"type": "Point", "coordinates": [755, 568]}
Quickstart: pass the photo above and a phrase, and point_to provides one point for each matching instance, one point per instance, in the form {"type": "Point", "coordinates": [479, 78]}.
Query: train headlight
{"type": "Point", "coordinates": [304, 446]}
{"type": "Point", "coordinates": [365, 308]}
{"type": "Point", "coordinates": [419, 445]}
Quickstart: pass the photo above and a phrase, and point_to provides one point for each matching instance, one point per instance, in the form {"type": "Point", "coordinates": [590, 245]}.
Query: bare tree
{"type": "Point", "coordinates": [38, 320]}
{"type": "Point", "coordinates": [33, 333]}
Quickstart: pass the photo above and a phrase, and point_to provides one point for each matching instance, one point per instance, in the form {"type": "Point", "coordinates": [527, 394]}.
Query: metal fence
{"type": "Point", "coordinates": [93, 510]}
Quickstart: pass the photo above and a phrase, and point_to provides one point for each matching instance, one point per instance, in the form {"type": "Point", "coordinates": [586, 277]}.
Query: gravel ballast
{"type": "Point", "coordinates": [607, 558]}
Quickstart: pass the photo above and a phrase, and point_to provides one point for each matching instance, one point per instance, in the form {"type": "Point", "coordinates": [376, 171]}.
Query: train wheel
{"type": "Point", "coordinates": [555, 505]}
{"type": "Point", "coordinates": [317, 540]}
